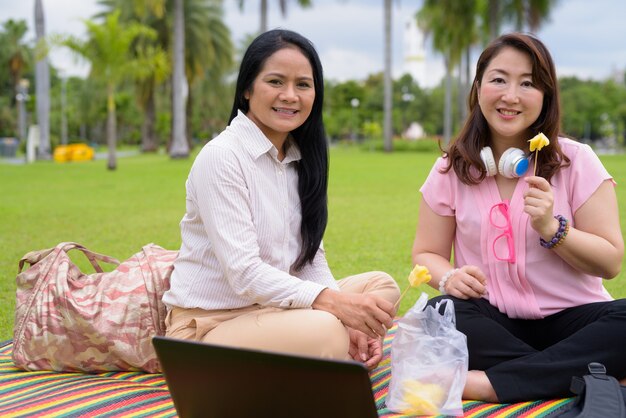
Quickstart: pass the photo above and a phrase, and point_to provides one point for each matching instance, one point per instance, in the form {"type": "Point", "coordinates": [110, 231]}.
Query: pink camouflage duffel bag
{"type": "Point", "coordinates": [66, 320]}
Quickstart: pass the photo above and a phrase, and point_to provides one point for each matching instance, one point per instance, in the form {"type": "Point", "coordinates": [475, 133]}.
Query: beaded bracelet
{"type": "Point", "coordinates": [444, 279]}
{"type": "Point", "coordinates": [559, 236]}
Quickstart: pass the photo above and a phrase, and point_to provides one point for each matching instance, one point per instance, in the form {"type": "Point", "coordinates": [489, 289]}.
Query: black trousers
{"type": "Point", "coordinates": [536, 359]}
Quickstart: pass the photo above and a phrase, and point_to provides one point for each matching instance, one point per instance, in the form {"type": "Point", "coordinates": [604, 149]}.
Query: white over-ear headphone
{"type": "Point", "coordinates": [513, 162]}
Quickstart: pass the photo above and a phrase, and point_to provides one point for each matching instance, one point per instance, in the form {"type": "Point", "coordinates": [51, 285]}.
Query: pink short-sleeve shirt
{"type": "Point", "coordinates": [539, 283]}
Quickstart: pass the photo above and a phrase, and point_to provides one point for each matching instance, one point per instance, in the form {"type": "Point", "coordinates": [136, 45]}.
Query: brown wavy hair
{"type": "Point", "coordinates": [464, 152]}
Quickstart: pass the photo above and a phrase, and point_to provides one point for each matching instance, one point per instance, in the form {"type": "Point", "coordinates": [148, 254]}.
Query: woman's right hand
{"type": "Point", "coordinates": [466, 283]}
{"type": "Point", "coordinates": [369, 314]}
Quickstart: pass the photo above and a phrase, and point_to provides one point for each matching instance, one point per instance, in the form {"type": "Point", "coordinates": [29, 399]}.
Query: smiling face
{"type": "Point", "coordinates": [508, 98]}
{"type": "Point", "coordinates": [282, 95]}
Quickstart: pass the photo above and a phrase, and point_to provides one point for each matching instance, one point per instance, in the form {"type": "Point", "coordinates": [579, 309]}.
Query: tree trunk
{"type": "Point", "coordinates": [494, 19]}
{"type": "Point", "coordinates": [179, 148]}
{"type": "Point", "coordinates": [387, 128]}
{"type": "Point", "coordinates": [464, 84]}
{"type": "Point", "coordinates": [263, 27]}
{"type": "Point", "coordinates": [64, 111]}
{"type": "Point", "coordinates": [111, 129]}
{"type": "Point", "coordinates": [148, 134]}
{"type": "Point", "coordinates": [188, 118]}
{"type": "Point", "coordinates": [447, 112]}
{"type": "Point", "coordinates": [460, 94]}
{"type": "Point", "coordinates": [42, 87]}
{"type": "Point", "coordinates": [468, 79]}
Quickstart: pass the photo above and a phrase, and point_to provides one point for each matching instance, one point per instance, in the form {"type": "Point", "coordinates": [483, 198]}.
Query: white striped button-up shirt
{"type": "Point", "coordinates": [241, 230]}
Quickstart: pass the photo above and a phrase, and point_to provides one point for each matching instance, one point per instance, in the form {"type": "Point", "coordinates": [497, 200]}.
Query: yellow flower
{"type": "Point", "coordinates": [538, 142]}
{"type": "Point", "coordinates": [422, 398]}
{"type": "Point", "coordinates": [419, 275]}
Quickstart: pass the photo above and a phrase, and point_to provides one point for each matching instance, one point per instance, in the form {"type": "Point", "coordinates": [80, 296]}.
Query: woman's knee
{"type": "Point", "coordinates": [383, 284]}
{"type": "Point", "coordinates": [318, 333]}
{"type": "Point", "coordinates": [618, 306]}
{"type": "Point", "coordinates": [327, 332]}
{"type": "Point", "coordinates": [376, 283]}
{"type": "Point", "coordinates": [298, 331]}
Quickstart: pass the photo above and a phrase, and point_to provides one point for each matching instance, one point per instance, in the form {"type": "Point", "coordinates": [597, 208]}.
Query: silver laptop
{"type": "Point", "coordinates": [215, 381]}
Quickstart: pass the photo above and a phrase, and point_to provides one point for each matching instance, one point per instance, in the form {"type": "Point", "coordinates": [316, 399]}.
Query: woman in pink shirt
{"type": "Point", "coordinates": [530, 248]}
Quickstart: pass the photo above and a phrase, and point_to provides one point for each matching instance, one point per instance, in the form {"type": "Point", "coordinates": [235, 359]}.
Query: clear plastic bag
{"type": "Point", "coordinates": [428, 362]}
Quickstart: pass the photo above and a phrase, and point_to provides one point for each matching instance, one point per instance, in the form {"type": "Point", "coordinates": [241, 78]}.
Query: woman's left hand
{"type": "Point", "coordinates": [365, 349]}
{"type": "Point", "coordinates": [538, 204]}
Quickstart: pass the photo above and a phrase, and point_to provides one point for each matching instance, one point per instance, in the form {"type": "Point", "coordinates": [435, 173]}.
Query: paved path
{"type": "Point", "coordinates": [98, 156]}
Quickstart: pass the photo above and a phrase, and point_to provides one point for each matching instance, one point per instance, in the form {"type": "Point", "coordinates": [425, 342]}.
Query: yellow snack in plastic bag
{"type": "Point", "coordinates": [422, 398]}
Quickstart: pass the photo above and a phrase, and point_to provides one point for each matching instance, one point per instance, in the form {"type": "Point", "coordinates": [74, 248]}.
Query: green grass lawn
{"type": "Point", "coordinates": [373, 212]}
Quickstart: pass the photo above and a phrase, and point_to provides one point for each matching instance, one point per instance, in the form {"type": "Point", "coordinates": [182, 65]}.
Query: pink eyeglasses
{"type": "Point", "coordinates": [499, 218]}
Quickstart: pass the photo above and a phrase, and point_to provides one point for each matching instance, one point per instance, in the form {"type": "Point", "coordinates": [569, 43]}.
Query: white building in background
{"type": "Point", "coordinates": [414, 62]}
{"type": "Point", "coordinates": [618, 75]}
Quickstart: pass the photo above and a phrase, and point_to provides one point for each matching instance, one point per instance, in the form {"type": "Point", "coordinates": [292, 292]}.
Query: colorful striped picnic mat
{"type": "Point", "coordinates": [132, 394]}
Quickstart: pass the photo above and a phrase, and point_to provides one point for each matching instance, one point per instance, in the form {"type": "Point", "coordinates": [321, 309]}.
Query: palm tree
{"type": "Point", "coordinates": [283, 10]}
{"type": "Point", "coordinates": [42, 86]}
{"type": "Point", "coordinates": [207, 44]}
{"type": "Point", "coordinates": [150, 13]}
{"type": "Point", "coordinates": [387, 128]}
{"type": "Point", "coordinates": [493, 19]}
{"type": "Point", "coordinates": [529, 13]}
{"type": "Point", "coordinates": [210, 47]}
{"type": "Point", "coordinates": [15, 54]}
{"type": "Point", "coordinates": [538, 12]}
{"type": "Point", "coordinates": [451, 24]}
{"type": "Point", "coordinates": [179, 147]}
{"type": "Point", "coordinates": [108, 49]}
{"type": "Point", "coordinates": [16, 50]}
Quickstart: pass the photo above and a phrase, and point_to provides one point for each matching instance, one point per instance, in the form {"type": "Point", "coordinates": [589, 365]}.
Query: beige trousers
{"type": "Point", "coordinates": [297, 331]}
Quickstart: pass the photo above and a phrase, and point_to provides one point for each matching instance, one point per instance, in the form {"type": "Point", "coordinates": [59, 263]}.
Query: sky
{"type": "Point", "coordinates": [586, 38]}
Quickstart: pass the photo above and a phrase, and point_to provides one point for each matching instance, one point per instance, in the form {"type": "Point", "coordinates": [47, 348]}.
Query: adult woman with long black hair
{"type": "Point", "coordinates": [252, 271]}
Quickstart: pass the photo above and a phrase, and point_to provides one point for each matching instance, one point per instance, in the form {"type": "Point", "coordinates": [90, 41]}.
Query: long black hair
{"type": "Point", "coordinates": [310, 136]}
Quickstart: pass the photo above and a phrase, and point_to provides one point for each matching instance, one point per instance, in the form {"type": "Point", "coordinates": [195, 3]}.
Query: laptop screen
{"type": "Point", "coordinates": [208, 380]}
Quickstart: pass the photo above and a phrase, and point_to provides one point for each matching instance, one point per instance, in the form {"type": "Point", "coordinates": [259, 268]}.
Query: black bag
{"type": "Point", "coordinates": [598, 395]}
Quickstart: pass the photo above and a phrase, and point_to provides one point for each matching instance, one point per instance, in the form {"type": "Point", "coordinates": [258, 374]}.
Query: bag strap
{"type": "Point", "coordinates": [602, 393]}
{"type": "Point", "coordinates": [446, 308]}
{"type": "Point", "coordinates": [34, 257]}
